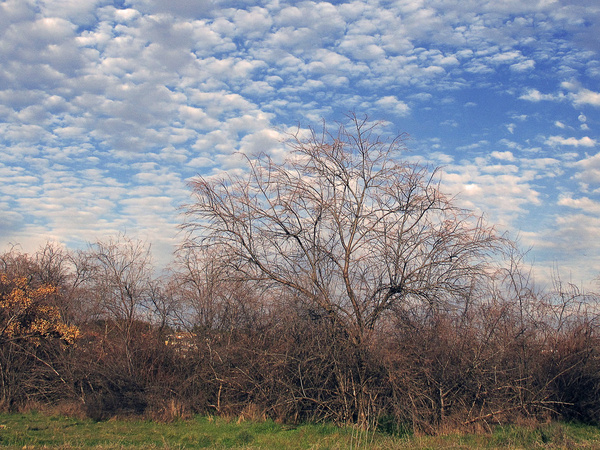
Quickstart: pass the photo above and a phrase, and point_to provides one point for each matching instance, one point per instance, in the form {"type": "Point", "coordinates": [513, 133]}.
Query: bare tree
{"type": "Point", "coordinates": [122, 274]}
{"type": "Point", "coordinates": [346, 225]}
{"type": "Point", "coordinates": [214, 299]}
{"type": "Point", "coordinates": [119, 284]}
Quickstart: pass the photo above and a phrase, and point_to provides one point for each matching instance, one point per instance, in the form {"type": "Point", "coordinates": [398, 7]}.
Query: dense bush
{"type": "Point", "coordinates": [503, 355]}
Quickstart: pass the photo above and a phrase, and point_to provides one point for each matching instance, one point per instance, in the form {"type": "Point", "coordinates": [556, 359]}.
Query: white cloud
{"type": "Point", "coordinates": [474, 145]}
{"type": "Point", "coordinates": [391, 103]}
{"type": "Point", "coordinates": [533, 95]}
{"type": "Point", "coordinates": [543, 167]}
{"type": "Point", "coordinates": [503, 156]}
{"type": "Point", "coordinates": [263, 141]}
{"type": "Point", "coordinates": [589, 172]}
{"type": "Point", "coordinates": [585, 97]}
{"type": "Point", "coordinates": [571, 234]}
{"type": "Point", "coordinates": [565, 248]}
{"type": "Point", "coordinates": [506, 57]}
{"type": "Point", "coordinates": [78, 12]}
{"type": "Point", "coordinates": [579, 95]}
{"type": "Point", "coordinates": [523, 66]}
{"type": "Point", "coordinates": [585, 204]}
{"type": "Point", "coordinates": [126, 15]}
{"type": "Point", "coordinates": [502, 191]}
{"type": "Point", "coordinates": [585, 141]}
{"type": "Point", "coordinates": [183, 8]}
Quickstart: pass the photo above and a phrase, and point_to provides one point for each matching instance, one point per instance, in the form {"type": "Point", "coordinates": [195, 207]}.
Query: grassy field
{"type": "Point", "coordinates": [35, 431]}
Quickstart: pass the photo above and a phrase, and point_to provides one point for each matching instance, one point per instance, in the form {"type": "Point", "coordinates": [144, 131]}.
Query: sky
{"type": "Point", "coordinates": [109, 108]}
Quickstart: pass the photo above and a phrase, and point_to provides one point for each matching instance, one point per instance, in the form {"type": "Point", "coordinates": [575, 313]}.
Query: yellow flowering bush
{"type": "Point", "coordinates": [25, 312]}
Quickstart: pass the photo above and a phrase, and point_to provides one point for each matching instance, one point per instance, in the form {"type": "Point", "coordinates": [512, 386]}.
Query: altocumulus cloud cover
{"type": "Point", "coordinates": [108, 108]}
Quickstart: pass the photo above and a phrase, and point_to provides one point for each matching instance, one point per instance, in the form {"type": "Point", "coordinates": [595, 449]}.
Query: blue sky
{"type": "Point", "coordinates": [108, 109]}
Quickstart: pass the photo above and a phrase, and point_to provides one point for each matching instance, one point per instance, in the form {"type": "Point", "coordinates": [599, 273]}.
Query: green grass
{"type": "Point", "coordinates": [36, 431]}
